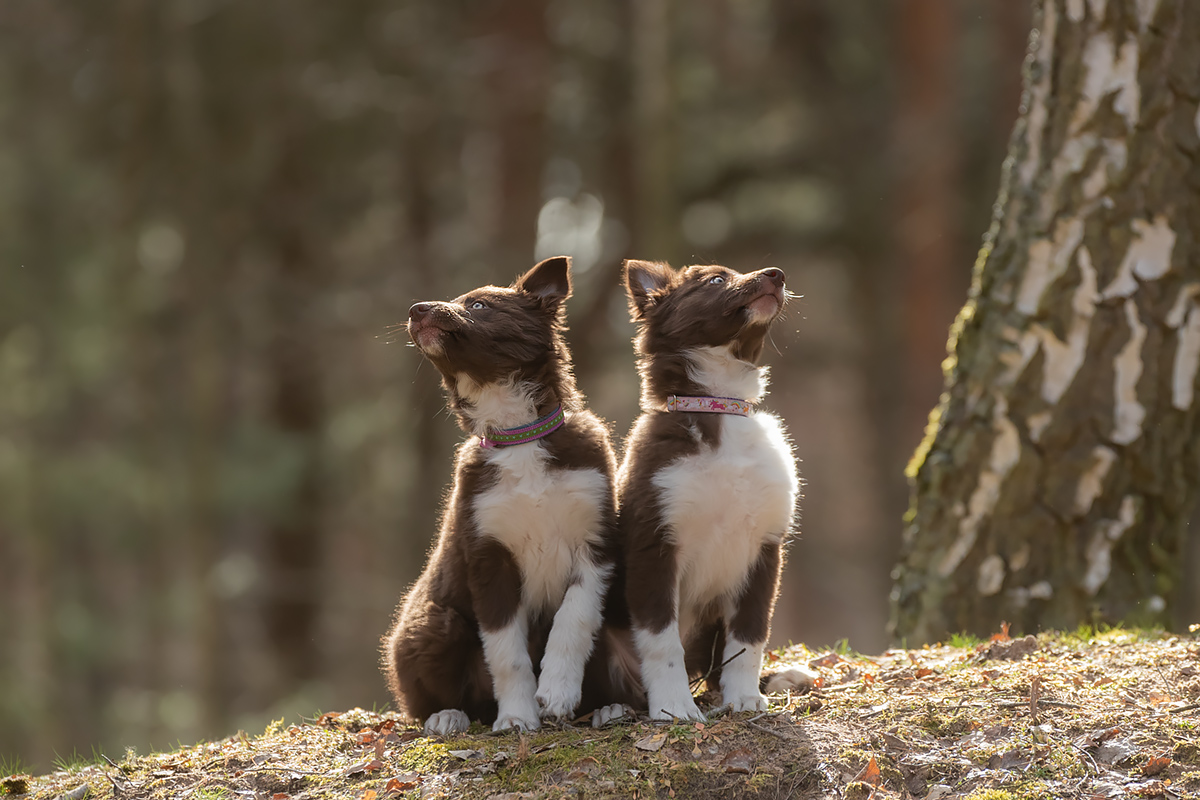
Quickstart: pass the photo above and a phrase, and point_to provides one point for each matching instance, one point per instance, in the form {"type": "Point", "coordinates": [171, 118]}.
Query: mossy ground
{"type": "Point", "coordinates": [1086, 714]}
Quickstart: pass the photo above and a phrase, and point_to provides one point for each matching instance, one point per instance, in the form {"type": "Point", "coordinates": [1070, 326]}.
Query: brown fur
{"type": "Point", "coordinates": [433, 655]}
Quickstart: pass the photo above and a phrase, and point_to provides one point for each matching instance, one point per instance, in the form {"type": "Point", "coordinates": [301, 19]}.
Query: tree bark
{"type": "Point", "coordinates": [1058, 472]}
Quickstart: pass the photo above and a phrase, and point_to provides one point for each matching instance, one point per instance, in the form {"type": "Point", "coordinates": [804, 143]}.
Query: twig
{"type": "Point", "coordinates": [1188, 707]}
{"type": "Point", "coordinates": [704, 677]}
{"type": "Point", "coordinates": [764, 714]}
{"type": "Point", "coordinates": [1089, 757]}
{"type": "Point", "coordinates": [765, 729]}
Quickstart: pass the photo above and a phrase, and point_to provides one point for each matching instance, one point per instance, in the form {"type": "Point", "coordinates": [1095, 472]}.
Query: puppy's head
{"type": "Point", "coordinates": [501, 336]}
{"type": "Point", "coordinates": [703, 306]}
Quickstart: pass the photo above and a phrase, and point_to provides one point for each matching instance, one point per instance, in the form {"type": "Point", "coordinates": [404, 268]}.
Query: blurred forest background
{"type": "Point", "coordinates": [219, 471]}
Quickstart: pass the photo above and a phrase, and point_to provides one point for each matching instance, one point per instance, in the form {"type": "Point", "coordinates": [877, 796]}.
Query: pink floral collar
{"type": "Point", "coordinates": [710, 405]}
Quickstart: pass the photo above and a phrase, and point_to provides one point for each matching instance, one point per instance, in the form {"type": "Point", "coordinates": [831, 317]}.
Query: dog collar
{"type": "Point", "coordinates": [711, 405]}
{"type": "Point", "coordinates": [526, 433]}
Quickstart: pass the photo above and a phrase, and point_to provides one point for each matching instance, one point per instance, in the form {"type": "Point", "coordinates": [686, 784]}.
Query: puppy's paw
{"type": "Point", "coordinates": [447, 723]}
{"type": "Point", "coordinates": [754, 701]}
{"type": "Point", "coordinates": [557, 697]}
{"type": "Point", "coordinates": [526, 720]}
{"type": "Point", "coordinates": [683, 707]}
{"type": "Point", "coordinates": [603, 716]}
{"type": "Point", "coordinates": [793, 679]}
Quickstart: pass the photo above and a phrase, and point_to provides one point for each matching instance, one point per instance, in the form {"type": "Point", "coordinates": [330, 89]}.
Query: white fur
{"type": "Point", "coordinates": [723, 375]}
{"type": "Point", "coordinates": [447, 723]}
{"type": "Point", "coordinates": [507, 655]}
{"type": "Point", "coordinates": [664, 675]}
{"type": "Point", "coordinates": [506, 404]}
{"type": "Point", "coordinates": [547, 518]}
{"type": "Point", "coordinates": [603, 716]}
{"type": "Point", "coordinates": [571, 639]}
{"type": "Point", "coordinates": [739, 676]}
{"type": "Point", "coordinates": [721, 505]}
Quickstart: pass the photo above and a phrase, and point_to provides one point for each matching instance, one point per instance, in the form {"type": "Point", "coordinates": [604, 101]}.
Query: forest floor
{"type": "Point", "coordinates": [1082, 715]}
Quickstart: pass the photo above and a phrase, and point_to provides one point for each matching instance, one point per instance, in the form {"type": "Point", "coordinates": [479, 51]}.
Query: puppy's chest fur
{"type": "Point", "coordinates": [723, 503]}
{"type": "Point", "coordinates": [548, 517]}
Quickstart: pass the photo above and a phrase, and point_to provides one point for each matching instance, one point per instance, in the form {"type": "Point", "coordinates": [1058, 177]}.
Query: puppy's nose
{"type": "Point", "coordinates": [775, 275]}
{"type": "Point", "coordinates": [418, 311]}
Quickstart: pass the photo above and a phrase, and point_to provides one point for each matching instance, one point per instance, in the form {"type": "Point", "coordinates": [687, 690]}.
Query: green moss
{"type": "Point", "coordinates": [425, 755]}
{"type": "Point", "coordinates": [942, 723]}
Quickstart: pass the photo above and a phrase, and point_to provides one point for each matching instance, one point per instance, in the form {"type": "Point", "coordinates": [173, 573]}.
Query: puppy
{"type": "Point", "coordinates": [707, 489]}
{"type": "Point", "coordinates": [526, 547]}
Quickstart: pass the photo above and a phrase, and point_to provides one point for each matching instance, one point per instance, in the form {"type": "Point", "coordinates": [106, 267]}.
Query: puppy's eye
{"type": "Point", "coordinates": [477, 305]}
{"type": "Point", "coordinates": [716, 279]}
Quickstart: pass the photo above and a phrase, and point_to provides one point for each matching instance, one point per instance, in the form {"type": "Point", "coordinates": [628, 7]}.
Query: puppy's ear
{"type": "Point", "coordinates": [644, 283]}
{"type": "Point", "coordinates": [549, 280]}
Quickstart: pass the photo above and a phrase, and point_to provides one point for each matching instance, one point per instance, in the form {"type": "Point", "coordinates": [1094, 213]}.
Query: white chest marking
{"type": "Point", "coordinates": [545, 517]}
{"type": "Point", "coordinates": [722, 504]}
{"type": "Point", "coordinates": [504, 404]}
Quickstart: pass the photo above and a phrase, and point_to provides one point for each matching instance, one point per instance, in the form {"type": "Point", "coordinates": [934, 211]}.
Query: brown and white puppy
{"type": "Point", "coordinates": [706, 499]}
{"type": "Point", "coordinates": [525, 552]}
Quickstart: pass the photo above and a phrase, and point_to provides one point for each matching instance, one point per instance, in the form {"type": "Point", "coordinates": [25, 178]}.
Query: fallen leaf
{"type": "Point", "coordinates": [466, 755]}
{"type": "Point", "coordinates": [1002, 636]}
{"type": "Point", "coordinates": [827, 660]}
{"type": "Point", "coordinates": [652, 743]}
{"type": "Point", "coordinates": [373, 765]}
{"type": "Point", "coordinates": [584, 768]}
{"type": "Point", "coordinates": [870, 773]}
{"type": "Point", "coordinates": [369, 794]}
{"type": "Point", "coordinates": [380, 745]}
{"type": "Point", "coordinates": [923, 672]}
{"type": "Point", "coordinates": [280, 796]}
{"type": "Point", "coordinates": [696, 751]}
{"type": "Point", "coordinates": [402, 782]}
{"type": "Point", "coordinates": [739, 761]}
{"type": "Point", "coordinates": [1155, 765]}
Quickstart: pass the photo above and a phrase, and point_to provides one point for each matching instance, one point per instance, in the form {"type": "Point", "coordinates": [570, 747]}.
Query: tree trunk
{"type": "Point", "coordinates": [1057, 474]}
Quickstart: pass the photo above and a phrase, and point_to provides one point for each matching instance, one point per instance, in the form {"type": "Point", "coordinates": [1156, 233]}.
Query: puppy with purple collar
{"type": "Point", "coordinates": [501, 622]}
{"type": "Point", "coordinates": [707, 491]}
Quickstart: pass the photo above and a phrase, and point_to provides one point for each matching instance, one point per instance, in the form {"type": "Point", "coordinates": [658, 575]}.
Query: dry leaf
{"type": "Point", "coordinates": [369, 794]}
{"type": "Point", "coordinates": [652, 743]}
{"type": "Point", "coordinates": [870, 773]}
{"type": "Point", "coordinates": [397, 785]}
{"type": "Point", "coordinates": [739, 761]}
{"type": "Point", "coordinates": [827, 660]}
{"type": "Point", "coordinates": [1155, 765]}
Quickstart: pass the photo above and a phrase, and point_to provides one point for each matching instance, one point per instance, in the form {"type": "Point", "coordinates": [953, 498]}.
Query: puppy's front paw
{"type": "Point", "coordinates": [677, 708]}
{"type": "Point", "coordinates": [447, 723]}
{"type": "Point", "coordinates": [557, 697]}
{"type": "Point", "coordinates": [521, 720]}
{"type": "Point", "coordinates": [603, 716]}
{"type": "Point", "coordinates": [754, 701]}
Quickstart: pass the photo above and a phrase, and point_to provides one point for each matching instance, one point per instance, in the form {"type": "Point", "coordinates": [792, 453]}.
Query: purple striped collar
{"type": "Point", "coordinates": [526, 433]}
{"type": "Point", "coordinates": [710, 405]}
